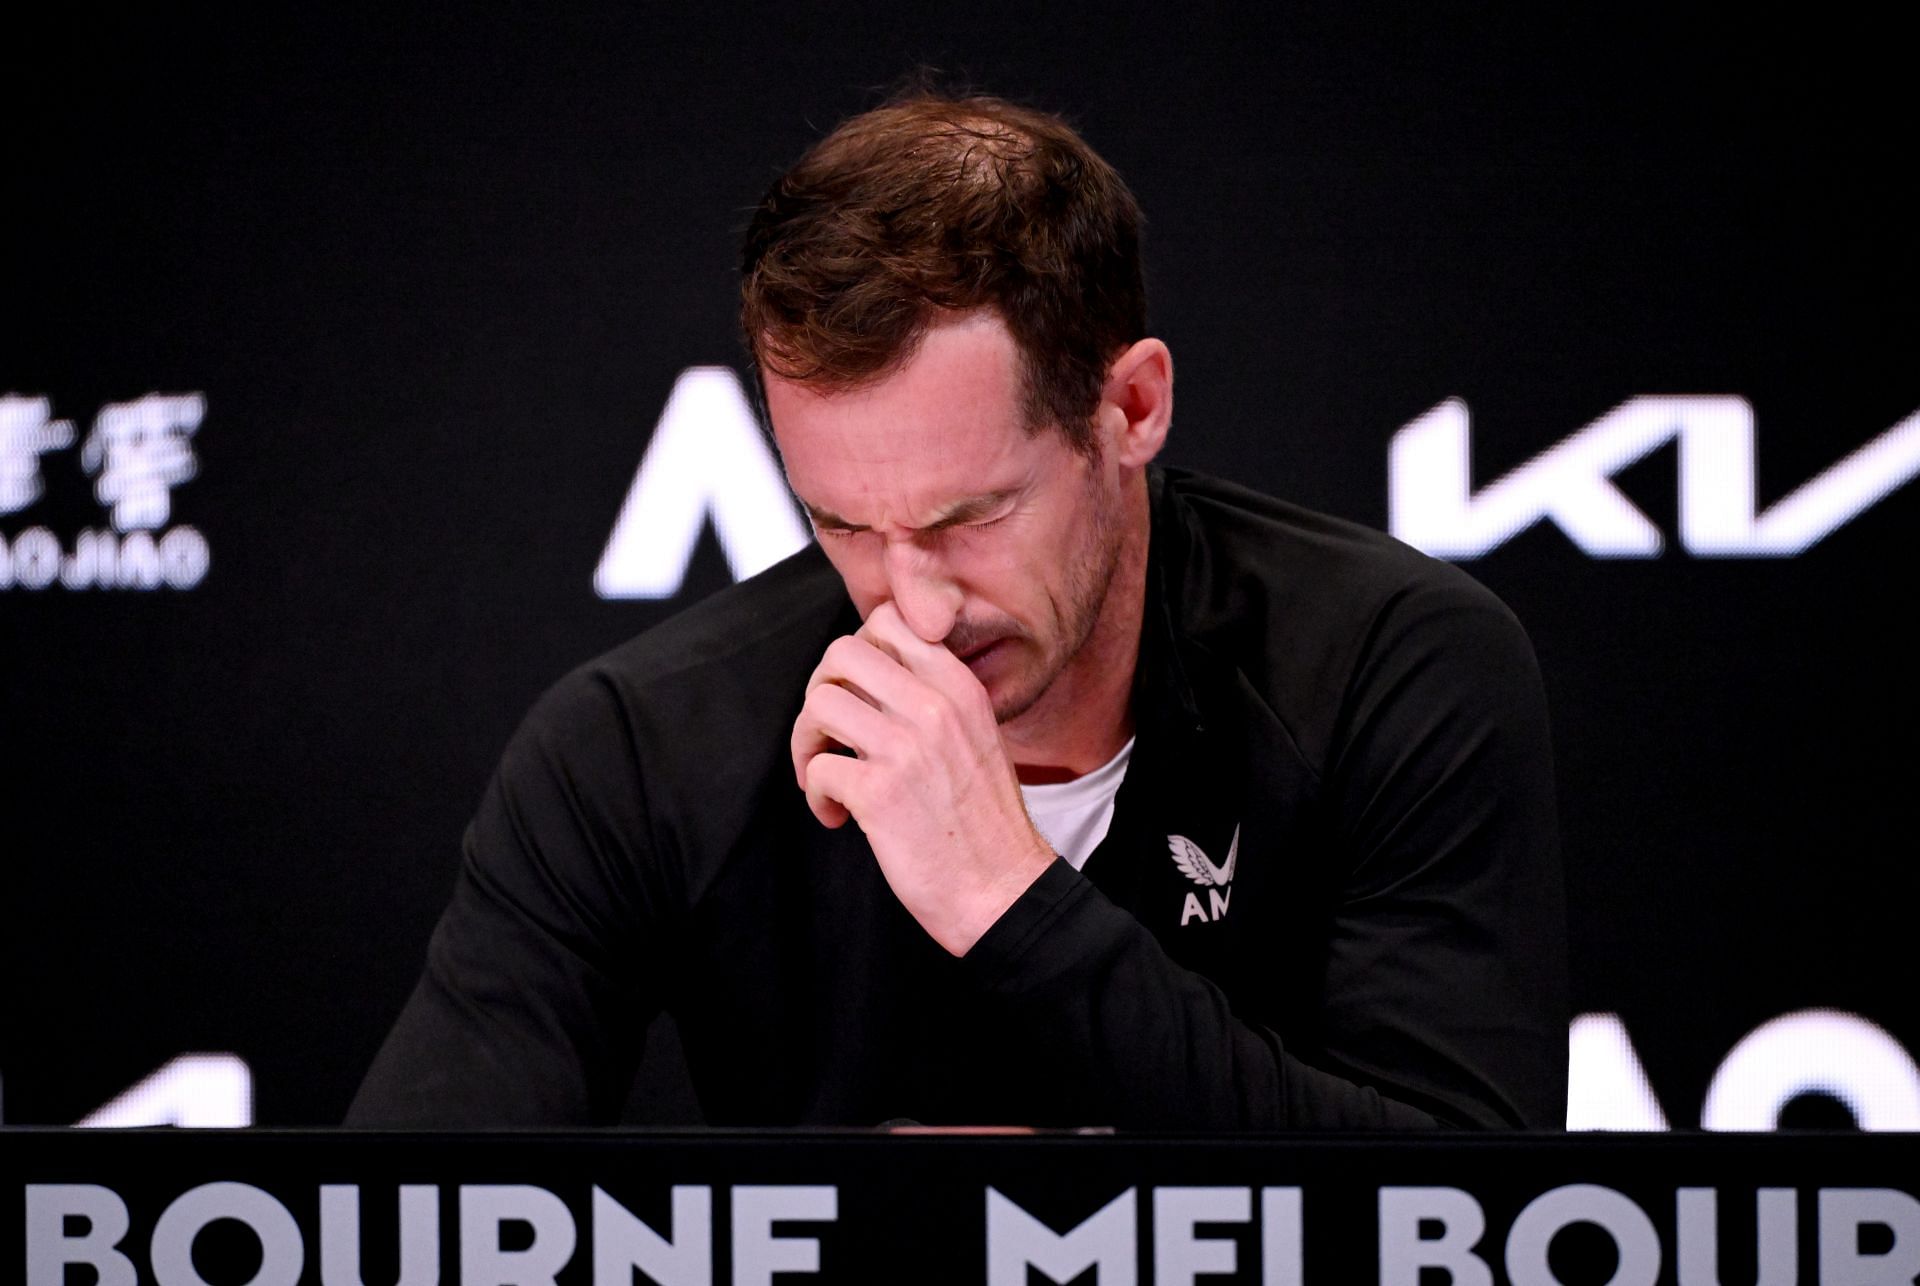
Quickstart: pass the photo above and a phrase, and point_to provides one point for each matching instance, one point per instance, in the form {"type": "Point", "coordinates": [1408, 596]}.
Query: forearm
{"type": "Point", "coordinates": [506, 1027]}
{"type": "Point", "coordinates": [1154, 1044]}
{"type": "Point", "coordinates": [538, 982]}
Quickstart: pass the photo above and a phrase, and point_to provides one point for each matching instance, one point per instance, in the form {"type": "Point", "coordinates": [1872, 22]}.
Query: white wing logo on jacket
{"type": "Point", "coordinates": [1193, 863]}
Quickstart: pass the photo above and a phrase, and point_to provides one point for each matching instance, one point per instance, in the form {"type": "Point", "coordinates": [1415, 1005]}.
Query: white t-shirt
{"type": "Point", "coordinates": [1073, 815]}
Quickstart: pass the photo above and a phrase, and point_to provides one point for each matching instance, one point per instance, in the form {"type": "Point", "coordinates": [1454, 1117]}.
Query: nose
{"type": "Point", "coordinates": [923, 592]}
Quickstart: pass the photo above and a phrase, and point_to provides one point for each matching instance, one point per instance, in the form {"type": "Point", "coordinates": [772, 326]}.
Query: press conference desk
{"type": "Point", "coordinates": [184, 1207]}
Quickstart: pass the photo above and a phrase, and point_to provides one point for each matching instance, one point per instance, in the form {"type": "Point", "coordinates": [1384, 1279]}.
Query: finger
{"type": "Point", "coordinates": [803, 744]}
{"type": "Point", "coordinates": [832, 722]}
{"type": "Point", "coordinates": [931, 663]}
{"type": "Point", "coordinates": [868, 672]}
{"type": "Point", "coordinates": [807, 740]}
{"type": "Point", "coordinates": [835, 664]}
{"type": "Point", "coordinates": [887, 630]}
{"type": "Point", "coordinates": [833, 717]}
{"type": "Point", "coordinates": [830, 781]}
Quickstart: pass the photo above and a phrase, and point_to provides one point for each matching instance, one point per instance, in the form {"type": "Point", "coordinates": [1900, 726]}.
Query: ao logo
{"type": "Point", "coordinates": [707, 458]}
{"type": "Point", "coordinates": [1829, 1052]}
{"type": "Point", "coordinates": [1433, 507]}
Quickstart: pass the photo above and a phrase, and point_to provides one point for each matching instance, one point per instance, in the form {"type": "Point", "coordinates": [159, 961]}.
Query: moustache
{"type": "Point", "coordinates": [968, 637]}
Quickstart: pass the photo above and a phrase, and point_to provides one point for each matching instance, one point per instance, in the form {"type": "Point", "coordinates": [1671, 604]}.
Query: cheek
{"type": "Point", "coordinates": [1006, 578]}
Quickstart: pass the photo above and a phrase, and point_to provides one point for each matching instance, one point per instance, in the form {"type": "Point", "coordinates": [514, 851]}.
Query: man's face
{"type": "Point", "coordinates": [927, 490]}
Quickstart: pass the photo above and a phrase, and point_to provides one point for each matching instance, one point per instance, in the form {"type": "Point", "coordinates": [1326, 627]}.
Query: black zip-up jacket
{"type": "Point", "coordinates": [1360, 725]}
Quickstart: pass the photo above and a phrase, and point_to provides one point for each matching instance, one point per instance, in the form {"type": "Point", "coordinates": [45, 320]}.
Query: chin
{"type": "Point", "coordinates": [1017, 694]}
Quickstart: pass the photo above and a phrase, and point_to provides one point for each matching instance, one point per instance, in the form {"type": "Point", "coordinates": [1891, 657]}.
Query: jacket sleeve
{"type": "Point", "coordinates": [1442, 999]}
{"type": "Point", "coordinates": [532, 1006]}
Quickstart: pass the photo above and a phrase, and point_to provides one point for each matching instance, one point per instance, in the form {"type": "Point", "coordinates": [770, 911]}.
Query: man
{"type": "Point", "coordinates": [1050, 787]}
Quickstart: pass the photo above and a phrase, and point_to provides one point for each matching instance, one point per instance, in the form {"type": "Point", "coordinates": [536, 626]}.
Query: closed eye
{"type": "Point", "coordinates": [969, 517]}
{"type": "Point", "coordinates": [961, 528]}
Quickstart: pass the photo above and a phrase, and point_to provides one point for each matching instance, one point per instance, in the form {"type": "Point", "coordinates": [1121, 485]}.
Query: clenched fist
{"type": "Point", "coordinates": [929, 781]}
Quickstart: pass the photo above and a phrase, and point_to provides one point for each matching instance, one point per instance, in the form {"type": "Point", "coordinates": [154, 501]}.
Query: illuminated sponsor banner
{"type": "Point", "coordinates": [1432, 505]}
{"type": "Point", "coordinates": [760, 1209]}
{"type": "Point", "coordinates": [1825, 1052]}
{"type": "Point", "coordinates": [137, 452]}
{"type": "Point", "coordinates": [193, 1091]}
{"type": "Point", "coordinates": [1840, 1056]}
{"type": "Point", "coordinates": [709, 461]}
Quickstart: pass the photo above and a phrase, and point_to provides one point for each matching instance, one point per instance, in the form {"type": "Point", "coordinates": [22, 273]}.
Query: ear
{"type": "Point", "coordinates": [1136, 405]}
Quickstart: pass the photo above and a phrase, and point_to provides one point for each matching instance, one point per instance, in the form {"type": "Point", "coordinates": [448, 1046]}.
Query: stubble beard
{"type": "Point", "coordinates": [1090, 576]}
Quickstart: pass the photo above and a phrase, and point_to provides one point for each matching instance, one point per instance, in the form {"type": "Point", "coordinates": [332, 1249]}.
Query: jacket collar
{"type": "Point", "coordinates": [1162, 684]}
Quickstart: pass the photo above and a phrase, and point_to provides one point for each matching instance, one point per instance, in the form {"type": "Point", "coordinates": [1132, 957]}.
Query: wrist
{"type": "Point", "coordinates": [991, 901]}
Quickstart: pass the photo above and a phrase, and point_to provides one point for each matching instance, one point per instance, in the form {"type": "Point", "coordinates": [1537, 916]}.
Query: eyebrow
{"type": "Point", "coordinates": [956, 514]}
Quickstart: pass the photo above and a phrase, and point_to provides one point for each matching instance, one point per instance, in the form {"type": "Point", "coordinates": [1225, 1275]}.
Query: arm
{"type": "Point", "coordinates": [1443, 994]}
{"type": "Point", "coordinates": [532, 1007]}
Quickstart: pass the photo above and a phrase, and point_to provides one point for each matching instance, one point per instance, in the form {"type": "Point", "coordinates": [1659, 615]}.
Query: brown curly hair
{"type": "Point", "coordinates": [934, 203]}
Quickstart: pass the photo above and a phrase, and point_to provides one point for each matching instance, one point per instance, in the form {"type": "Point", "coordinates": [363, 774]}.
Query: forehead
{"type": "Point", "coordinates": [946, 426]}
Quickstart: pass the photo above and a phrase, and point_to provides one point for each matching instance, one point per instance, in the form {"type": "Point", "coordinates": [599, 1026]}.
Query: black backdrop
{"type": "Point", "coordinates": [435, 274]}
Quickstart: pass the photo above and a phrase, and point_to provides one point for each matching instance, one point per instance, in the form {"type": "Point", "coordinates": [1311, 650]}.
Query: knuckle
{"type": "Point", "coordinates": [982, 704]}
{"type": "Point", "coordinates": [839, 650]}
{"type": "Point", "coordinates": [933, 711]}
